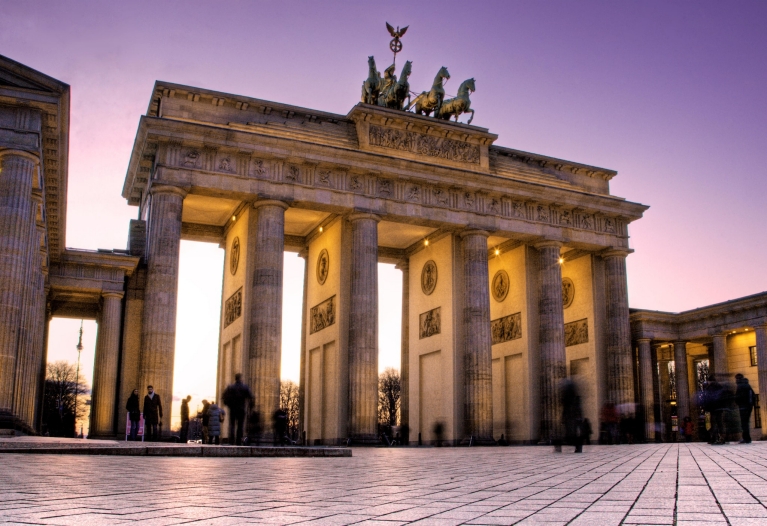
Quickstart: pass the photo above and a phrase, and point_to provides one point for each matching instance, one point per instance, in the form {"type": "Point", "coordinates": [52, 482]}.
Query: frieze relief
{"type": "Point", "coordinates": [233, 308]}
{"type": "Point", "coordinates": [576, 332]}
{"type": "Point", "coordinates": [428, 145]}
{"type": "Point", "coordinates": [507, 328]}
{"type": "Point", "coordinates": [323, 315]}
{"type": "Point", "coordinates": [429, 323]}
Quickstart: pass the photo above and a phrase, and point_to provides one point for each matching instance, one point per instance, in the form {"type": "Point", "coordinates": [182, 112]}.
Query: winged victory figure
{"type": "Point", "coordinates": [398, 33]}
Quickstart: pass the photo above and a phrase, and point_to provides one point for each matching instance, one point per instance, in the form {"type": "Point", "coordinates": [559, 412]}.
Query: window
{"type": "Point", "coordinates": [752, 352]}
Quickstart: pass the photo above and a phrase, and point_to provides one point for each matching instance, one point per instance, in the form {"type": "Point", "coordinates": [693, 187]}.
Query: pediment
{"type": "Point", "coordinates": [18, 76]}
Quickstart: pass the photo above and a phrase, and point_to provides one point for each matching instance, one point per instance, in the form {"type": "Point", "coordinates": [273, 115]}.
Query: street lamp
{"type": "Point", "coordinates": [77, 374]}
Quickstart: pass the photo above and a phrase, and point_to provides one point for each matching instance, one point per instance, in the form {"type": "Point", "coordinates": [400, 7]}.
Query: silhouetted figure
{"type": "Point", "coordinates": [134, 413]}
{"type": "Point", "coordinates": [572, 415]}
{"type": "Point", "coordinates": [688, 429]}
{"type": "Point", "coordinates": [439, 431]}
{"type": "Point", "coordinates": [236, 397]}
{"type": "Point", "coordinates": [215, 419]}
{"type": "Point", "coordinates": [587, 431]}
{"type": "Point", "coordinates": [152, 415]}
{"type": "Point", "coordinates": [184, 435]}
{"type": "Point", "coordinates": [730, 415]}
{"type": "Point", "coordinates": [609, 427]}
{"type": "Point", "coordinates": [502, 441]}
{"type": "Point", "coordinates": [280, 419]}
{"type": "Point", "coordinates": [205, 417]}
{"type": "Point", "coordinates": [744, 397]}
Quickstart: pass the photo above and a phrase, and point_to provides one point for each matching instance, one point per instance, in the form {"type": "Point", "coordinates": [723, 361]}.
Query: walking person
{"type": "Point", "coordinates": [236, 397]}
{"type": "Point", "coordinates": [572, 415]}
{"type": "Point", "coordinates": [184, 436]}
{"type": "Point", "coordinates": [152, 415]}
{"type": "Point", "coordinates": [280, 426]}
{"type": "Point", "coordinates": [744, 397]}
{"type": "Point", "coordinates": [134, 413]}
{"type": "Point", "coordinates": [215, 419]}
{"type": "Point", "coordinates": [205, 417]}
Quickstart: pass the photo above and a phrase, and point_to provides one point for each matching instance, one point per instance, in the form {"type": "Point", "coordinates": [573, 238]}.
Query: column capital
{"type": "Point", "coordinates": [473, 232]}
{"type": "Point", "coordinates": [111, 294]}
{"type": "Point", "coordinates": [7, 152]}
{"type": "Point", "coordinates": [304, 253]}
{"type": "Point", "coordinates": [644, 340]}
{"type": "Point", "coordinates": [402, 264]}
{"type": "Point", "coordinates": [547, 243]}
{"type": "Point", "coordinates": [615, 253]}
{"type": "Point", "coordinates": [168, 189]}
{"type": "Point", "coordinates": [271, 202]}
{"type": "Point", "coordinates": [356, 216]}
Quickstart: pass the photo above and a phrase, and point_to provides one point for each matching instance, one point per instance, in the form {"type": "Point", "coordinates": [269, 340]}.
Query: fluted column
{"type": "Point", "coordinates": [620, 378]}
{"type": "Point", "coordinates": [363, 329]}
{"type": "Point", "coordinates": [761, 367]}
{"type": "Point", "coordinates": [551, 339]}
{"type": "Point", "coordinates": [404, 373]}
{"type": "Point", "coordinates": [477, 351]}
{"type": "Point", "coordinates": [720, 369]}
{"type": "Point", "coordinates": [17, 172]}
{"type": "Point", "coordinates": [304, 254]}
{"type": "Point", "coordinates": [266, 307]}
{"type": "Point", "coordinates": [647, 391]}
{"type": "Point", "coordinates": [104, 392]}
{"type": "Point", "coordinates": [681, 379]}
{"type": "Point", "coordinates": [158, 331]}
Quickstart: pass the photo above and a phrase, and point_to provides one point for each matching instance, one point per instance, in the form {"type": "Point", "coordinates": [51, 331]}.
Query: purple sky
{"type": "Point", "coordinates": [670, 94]}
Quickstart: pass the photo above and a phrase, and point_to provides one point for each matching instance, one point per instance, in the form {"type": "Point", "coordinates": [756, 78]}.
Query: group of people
{"type": "Point", "coordinates": [728, 410]}
{"type": "Point", "coordinates": [237, 397]}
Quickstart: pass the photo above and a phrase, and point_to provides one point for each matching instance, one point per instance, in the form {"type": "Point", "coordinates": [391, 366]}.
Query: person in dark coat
{"type": "Point", "coordinates": [572, 415]}
{"type": "Point", "coordinates": [184, 435]}
{"type": "Point", "coordinates": [152, 414]}
{"type": "Point", "coordinates": [744, 397]}
{"type": "Point", "coordinates": [236, 397]}
{"type": "Point", "coordinates": [134, 413]}
{"type": "Point", "coordinates": [205, 416]}
{"type": "Point", "coordinates": [280, 426]}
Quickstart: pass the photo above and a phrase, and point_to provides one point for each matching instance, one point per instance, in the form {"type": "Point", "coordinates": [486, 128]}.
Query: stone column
{"type": "Point", "coordinates": [363, 329]}
{"type": "Point", "coordinates": [302, 373]}
{"type": "Point", "coordinates": [620, 379]}
{"type": "Point", "coordinates": [404, 373]}
{"type": "Point", "coordinates": [266, 308]}
{"type": "Point", "coordinates": [17, 172]}
{"type": "Point", "coordinates": [646, 382]}
{"type": "Point", "coordinates": [551, 339]}
{"type": "Point", "coordinates": [477, 351]}
{"type": "Point", "coordinates": [682, 384]}
{"type": "Point", "coordinates": [761, 361]}
{"type": "Point", "coordinates": [158, 331]}
{"type": "Point", "coordinates": [720, 368]}
{"type": "Point", "coordinates": [104, 392]}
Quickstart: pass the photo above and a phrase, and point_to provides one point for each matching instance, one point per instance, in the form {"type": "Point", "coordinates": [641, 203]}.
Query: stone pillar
{"type": "Point", "coordinates": [620, 379]}
{"type": "Point", "coordinates": [761, 361]}
{"type": "Point", "coordinates": [104, 392]}
{"type": "Point", "coordinates": [158, 331]}
{"type": "Point", "coordinates": [681, 378]}
{"type": "Point", "coordinates": [266, 308]}
{"type": "Point", "coordinates": [17, 173]}
{"type": "Point", "coordinates": [404, 373]}
{"type": "Point", "coordinates": [363, 329]}
{"type": "Point", "coordinates": [647, 393]}
{"type": "Point", "coordinates": [720, 368]}
{"type": "Point", "coordinates": [551, 340]}
{"type": "Point", "coordinates": [302, 373]}
{"type": "Point", "coordinates": [477, 351]}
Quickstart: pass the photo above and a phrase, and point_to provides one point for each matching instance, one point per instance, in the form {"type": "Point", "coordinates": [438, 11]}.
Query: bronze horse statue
{"type": "Point", "coordinates": [393, 95]}
{"type": "Point", "coordinates": [458, 105]}
{"type": "Point", "coordinates": [372, 84]}
{"type": "Point", "coordinates": [430, 101]}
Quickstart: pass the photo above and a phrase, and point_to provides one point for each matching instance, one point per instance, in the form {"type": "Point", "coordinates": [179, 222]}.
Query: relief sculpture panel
{"type": "Point", "coordinates": [428, 145]}
{"type": "Point", "coordinates": [233, 308]}
{"type": "Point", "coordinates": [507, 328]}
{"type": "Point", "coordinates": [323, 315]}
{"type": "Point", "coordinates": [576, 332]}
{"type": "Point", "coordinates": [429, 323]}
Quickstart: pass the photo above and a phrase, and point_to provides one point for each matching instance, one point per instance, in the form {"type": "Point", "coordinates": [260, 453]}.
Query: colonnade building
{"type": "Point", "coordinates": [514, 264]}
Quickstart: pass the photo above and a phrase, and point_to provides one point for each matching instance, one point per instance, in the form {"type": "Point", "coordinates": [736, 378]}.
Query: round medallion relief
{"type": "Point", "coordinates": [568, 292]}
{"type": "Point", "coordinates": [323, 264]}
{"type": "Point", "coordinates": [234, 256]}
{"type": "Point", "coordinates": [429, 277]}
{"type": "Point", "coordinates": [500, 285]}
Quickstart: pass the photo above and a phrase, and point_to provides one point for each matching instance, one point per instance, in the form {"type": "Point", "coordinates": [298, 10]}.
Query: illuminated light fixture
{"type": "Point", "coordinates": [497, 252]}
{"type": "Point", "coordinates": [320, 230]}
{"type": "Point", "coordinates": [426, 242]}
{"type": "Point", "coordinates": [234, 218]}
{"type": "Point", "coordinates": [561, 260]}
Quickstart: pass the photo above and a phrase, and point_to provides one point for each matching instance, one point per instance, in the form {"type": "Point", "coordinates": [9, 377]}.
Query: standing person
{"type": "Point", "coordinates": [236, 396]}
{"type": "Point", "coordinates": [152, 414]}
{"type": "Point", "coordinates": [744, 397]}
{"type": "Point", "coordinates": [134, 413]}
{"type": "Point", "coordinates": [280, 426]}
{"type": "Point", "coordinates": [185, 419]}
{"type": "Point", "coordinates": [215, 419]}
{"type": "Point", "coordinates": [205, 421]}
{"type": "Point", "coordinates": [689, 429]}
{"type": "Point", "coordinates": [572, 415]}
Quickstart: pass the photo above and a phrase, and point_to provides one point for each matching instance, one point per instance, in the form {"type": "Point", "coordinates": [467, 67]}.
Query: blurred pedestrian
{"type": "Point", "coordinates": [572, 415]}
{"type": "Point", "coordinates": [688, 429]}
{"type": "Point", "coordinates": [184, 435]}
{"type": "Point", "coordinates": [609, 424]}
{"type": "Point", "coordinates": [280, 426]}
{"type": "Point", "coordinates": [152, 415]}
{"type": "Point", "coordinates": [205, 417]}
{"type": "Point", "coordinates": [134, 413]}
{"type": "Point", "coordinates": [744, 397]}
{"type": "Point", "coordinates": [255, 429]}
{"type": "Point", "coordinates": [236, 397]}
{"type": "Point", "coordinates": [215, 419]}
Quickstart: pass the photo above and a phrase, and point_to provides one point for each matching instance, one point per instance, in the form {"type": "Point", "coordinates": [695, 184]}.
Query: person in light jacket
{"type": "Point", "coordinates": [215, 419]}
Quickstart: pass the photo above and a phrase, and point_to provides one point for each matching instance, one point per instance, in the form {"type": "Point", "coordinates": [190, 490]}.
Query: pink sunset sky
{"type": "Point", "coordinates": [672, 95]}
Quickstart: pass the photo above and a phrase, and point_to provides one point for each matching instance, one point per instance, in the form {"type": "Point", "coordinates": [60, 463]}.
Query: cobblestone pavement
{"type": "Point", "coordinates": [642, 484]}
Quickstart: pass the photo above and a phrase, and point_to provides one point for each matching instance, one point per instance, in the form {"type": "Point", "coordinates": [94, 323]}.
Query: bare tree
{"type": "Point", "coordinates": [289, 402]}
{"type": "Point", "coordinates": [388, 397]}
{"type": "Point", "coordinates": [60, 417]}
